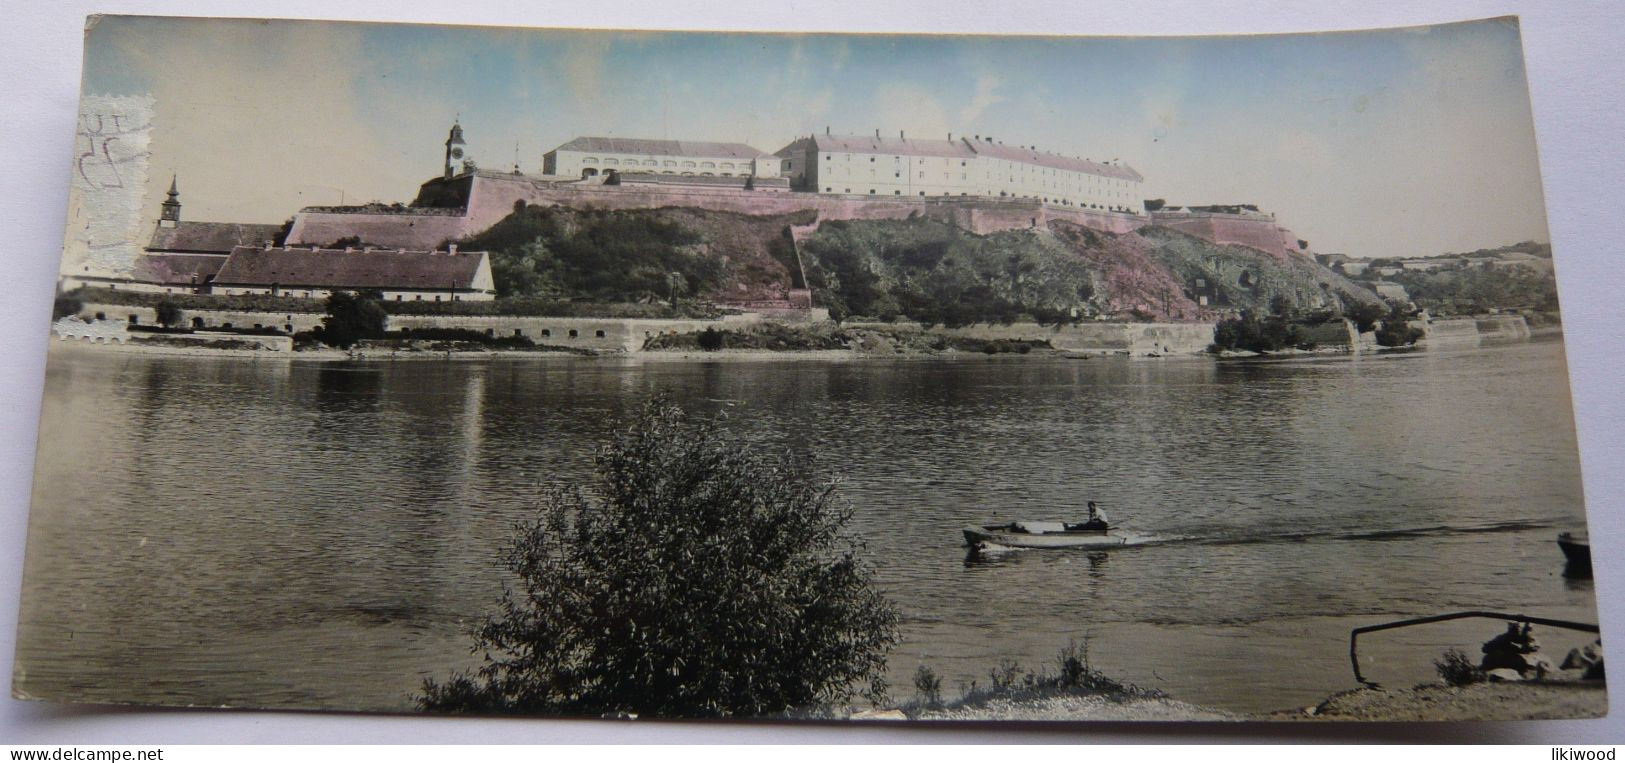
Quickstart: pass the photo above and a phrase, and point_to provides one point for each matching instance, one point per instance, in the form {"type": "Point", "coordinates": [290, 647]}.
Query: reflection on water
{"type": "Point", "coordinates": [322, 534]}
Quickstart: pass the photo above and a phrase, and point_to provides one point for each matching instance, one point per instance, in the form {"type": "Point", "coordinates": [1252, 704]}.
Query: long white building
{"type": "Point", "coordinates": [587, 157]}
{"type": "Point", "coordinates": [882, 166]}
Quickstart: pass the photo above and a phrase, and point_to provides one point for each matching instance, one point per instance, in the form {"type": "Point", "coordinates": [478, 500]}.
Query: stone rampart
{"type": "Point", "coordinates": [1104, 338]}
{"type": "Point", "coordinates": [492, 198]}
{"type": "Point", "coordinates": [1252, 231]}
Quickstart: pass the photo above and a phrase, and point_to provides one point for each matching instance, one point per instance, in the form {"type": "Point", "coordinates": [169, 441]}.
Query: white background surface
{"type": "Point", "coordinates": [1577, 77]}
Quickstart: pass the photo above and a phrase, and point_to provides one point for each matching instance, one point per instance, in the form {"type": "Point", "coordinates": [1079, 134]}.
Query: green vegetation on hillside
{"type": "Point", "coordinates": [933, 272]}
{"type": "Point", "coordinates": [646, 255]}
{"type": "Point", "coordinates": [1474, 290]}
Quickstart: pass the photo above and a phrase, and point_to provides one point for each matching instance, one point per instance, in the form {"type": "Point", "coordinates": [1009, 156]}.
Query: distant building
{"type": "Point", "coordinates": [979, 167]}
{"type": "Point", "coordinates": [401, 276]}
{"type": "Point", "coordinates": [588, 157]}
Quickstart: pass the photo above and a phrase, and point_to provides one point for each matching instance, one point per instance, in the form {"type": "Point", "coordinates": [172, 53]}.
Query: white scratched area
{"type": "Point", "coordinates": [1574, 69]}
{"type": "Point", "coordinates": [106, 192]}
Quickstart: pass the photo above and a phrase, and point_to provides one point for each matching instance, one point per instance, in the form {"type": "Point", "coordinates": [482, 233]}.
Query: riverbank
{"type": "Point", "coordinates": [1077, 707]}
{"type": "Point", "coordinates": [1509, 701]}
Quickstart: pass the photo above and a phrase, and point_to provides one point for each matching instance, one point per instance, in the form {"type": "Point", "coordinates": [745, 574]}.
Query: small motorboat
{"type": "Point", "coordinates": [1026, 534]}
{"type": "Point", "coordinates": [1577, 549]}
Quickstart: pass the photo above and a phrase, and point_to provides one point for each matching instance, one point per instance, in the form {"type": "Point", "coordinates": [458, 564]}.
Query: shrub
{"type": "Point", "coordinates": [710, 339]}
{"type": "Point", "coordinates": [927, 687]}
{"type": "Point", "coordinates": [351, 318]}
{"type": "Point", "coordinates": [697, 576]}
{"type": "Point", "coordinates": [1457, 669]}
{"type": "Point", "coordinates": [1396, 330]}
{"type": "Point", "coordinates": [65, 306]}
{"type": "Point", "coordinates": [169, 313]}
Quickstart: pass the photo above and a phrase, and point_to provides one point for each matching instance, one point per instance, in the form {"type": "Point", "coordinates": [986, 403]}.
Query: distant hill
{"type": "Point", "coordinates": [915, 268]}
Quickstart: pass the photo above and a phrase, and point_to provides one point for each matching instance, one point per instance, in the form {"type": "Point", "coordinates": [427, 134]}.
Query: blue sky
{"type": "Point", "coordinates": [1397, 142]}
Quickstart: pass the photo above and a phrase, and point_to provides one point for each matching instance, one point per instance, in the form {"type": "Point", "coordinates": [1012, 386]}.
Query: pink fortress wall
{"type": "Point", "coordinates": [492, 198]}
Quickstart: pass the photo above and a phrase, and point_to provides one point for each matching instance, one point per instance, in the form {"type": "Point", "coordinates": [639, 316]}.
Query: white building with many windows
{"type": "Point", "coordinates": [977, 166]}
{"type": "Point", "coordinates": [587, 157]}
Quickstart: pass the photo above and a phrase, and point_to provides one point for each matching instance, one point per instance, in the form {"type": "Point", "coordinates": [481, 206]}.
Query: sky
{"type": "Point", "coordinates": [1405, 142]}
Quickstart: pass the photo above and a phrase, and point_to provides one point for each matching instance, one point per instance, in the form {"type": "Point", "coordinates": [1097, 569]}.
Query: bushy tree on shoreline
{"type": "Point", "coordinates": [697, 577]}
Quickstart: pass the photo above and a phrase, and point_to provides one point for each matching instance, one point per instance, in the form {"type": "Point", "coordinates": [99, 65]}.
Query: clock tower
{"type": "Point", "coordinates": [456, 152]}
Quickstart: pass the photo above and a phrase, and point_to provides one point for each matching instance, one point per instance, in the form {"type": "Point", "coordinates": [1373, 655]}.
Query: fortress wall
{"type": "Point", "coordinates": [494, 198]}
{"type": "Point", "coordinates": [1136, 339]}
{"type": "Point", "coordinates": [611, 334]}
{"type": "Point", "coordinates": [402, 231]}
{"type": "Point", "coordinates": [1256, 233]}
{"type": "Point", "coordinates": [242, 319]}
{"type": "Point", "coordinates": [1446, 332]}
{"type": "Point", "coordinates": [1504, 327]}
{"type": "Point", "coordinates": [489, 199]}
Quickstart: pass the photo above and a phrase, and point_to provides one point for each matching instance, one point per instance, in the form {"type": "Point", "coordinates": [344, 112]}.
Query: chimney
{"type": "Point", "coordinates": [367, 249]}
{"type": "Point", "coordinates": [950, 137]}
{"type": "Point", "coordinates": [900, 135]}
{"type": "Point", "coordinates": [349, 250]}
{"type": "Point", "coordinates": [315, 247]}
{"type": "Point", "coordinates": [451, 248]}
{"type": "Point", "coordinates": [269, 244]}
{"type": "Point", "coordinates": [877, 132]}
{"type": "Point", "coordinates": [826, 129]}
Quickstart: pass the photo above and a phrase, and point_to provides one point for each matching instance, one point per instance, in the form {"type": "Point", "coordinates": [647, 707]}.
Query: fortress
{"type": "Point", "coordinates": [976, 183]}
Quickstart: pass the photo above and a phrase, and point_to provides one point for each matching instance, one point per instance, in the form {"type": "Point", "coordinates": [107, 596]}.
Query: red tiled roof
{"type": "Point", "coordinates": [358, 269]}
{"type": "Point", "coordinates": [736, 181]}
{"type": "Point", "coordinates": [1052, 160]}
{"type": "Point", "coordinates": [870, 144]}
{"type": "Point", "coordinates": [218, 238]}
{"type": "Point", "coordinates": [647, 146]}
{"type": "Point", "coordinates": [176, 269]}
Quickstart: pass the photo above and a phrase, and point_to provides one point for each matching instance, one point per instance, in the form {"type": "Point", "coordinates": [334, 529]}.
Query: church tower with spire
{"type": "Point", "coordinates": [456, 153]}
{"type": "Point", "coordinates": [170, 214]}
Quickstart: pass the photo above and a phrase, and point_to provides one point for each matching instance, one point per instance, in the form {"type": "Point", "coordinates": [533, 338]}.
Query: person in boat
{"type": "Point", "coordinates": [1096, 523]}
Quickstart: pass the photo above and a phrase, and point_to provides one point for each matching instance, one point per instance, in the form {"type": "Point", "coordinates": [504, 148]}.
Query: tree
{"type": "Point", "coordinates": [169, 313]}
{"type": "Point", "coordinates": [351, 318]}
{"type": "Point", "coordinates": [697, 576]}
{"type": "Point", "coordinates": [1396, 329]}
{"type": "Point", "coordinates": [1366, 315]}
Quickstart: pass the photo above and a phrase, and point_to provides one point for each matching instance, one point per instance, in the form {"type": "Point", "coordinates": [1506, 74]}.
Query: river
{"type": "Point", "coordinates": [321, 534]}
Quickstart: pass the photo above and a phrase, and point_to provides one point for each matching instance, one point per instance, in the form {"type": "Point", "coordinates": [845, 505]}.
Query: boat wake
{"type": "Point", "coordinates": [1382, 534]}
{"type": "Point", "coordinates": [1135, 540]}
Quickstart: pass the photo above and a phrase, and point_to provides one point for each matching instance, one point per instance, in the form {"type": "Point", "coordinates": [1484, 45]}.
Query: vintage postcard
{"type": "Point", "coordinates": [629, 374]}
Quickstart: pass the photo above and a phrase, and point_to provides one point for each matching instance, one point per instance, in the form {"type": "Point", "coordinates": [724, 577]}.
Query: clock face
{"type": "Point", "coordinates": [456, 153]}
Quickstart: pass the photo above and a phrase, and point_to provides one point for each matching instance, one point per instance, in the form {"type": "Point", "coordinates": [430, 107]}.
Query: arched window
{"type": "Point", "coordinates": [612, 162]}
{"type": "Point", "coordinates": [688, 164]}
{"type": "Point", "coordinates": [590, 160]}
{"type": "Point", "coordinates": [589, 172]}
{"type": "Point", "coordinates": [650, 163]}
{"type": "Point", "coordinates": [709, 165]}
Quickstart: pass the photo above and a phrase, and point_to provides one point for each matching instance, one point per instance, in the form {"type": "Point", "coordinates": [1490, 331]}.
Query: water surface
{"type": "Point", "coordinates": [321, 534]}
